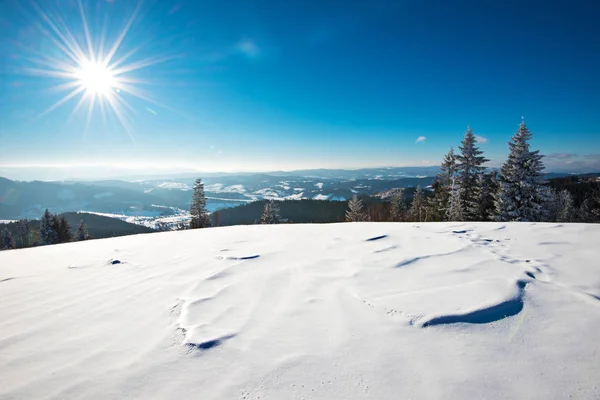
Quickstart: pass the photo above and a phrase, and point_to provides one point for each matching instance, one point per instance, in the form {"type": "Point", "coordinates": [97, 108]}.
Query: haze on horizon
{"type": "Point", "coordinates": [184, 86]}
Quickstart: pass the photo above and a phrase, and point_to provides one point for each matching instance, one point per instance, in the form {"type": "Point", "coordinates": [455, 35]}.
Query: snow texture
{"type": "Point", "coordinates": [337, 311]}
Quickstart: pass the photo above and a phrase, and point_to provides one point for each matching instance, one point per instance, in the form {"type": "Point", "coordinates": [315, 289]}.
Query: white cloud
{"type": "Point", "coordinates": [247, 47]}
{"type": "Point", "coordinates": [421, 139]}
{"type": "Point", "coordinates": [481, 139]}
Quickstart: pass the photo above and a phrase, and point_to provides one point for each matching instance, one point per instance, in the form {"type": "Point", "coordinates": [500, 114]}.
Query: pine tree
{"type": "Point", "coordinates": [8, 242]}
{"type": "Point", "coordinates": [355, 211]}
{"type": "Point", "coordinates": [200, 218]}
{"type": "Point", "coordinates": [469, 164]}
{"type": "Point", "coordinates": [418, 206]}
{"type": "Point", "coordinates": [82, 232]}
{"type": "Point", "coordinates": [585, 213]}
{"type": "Point", "coordinates": [595, 200]}
{"type": "Point", "coordinates": [55, 224]}
{"type": "Point", "coordinates": [64, 230]}
{"type": "Point", "coordinates": [24, 233]}
{"type": "Point", "coordinates": [271, 213]}
{"type": "Point", "coordinates": [398, 206]}
{"type": "Point", "coordinates": [566, 212]}
{"type": "Point", "coordinates": [442, 184]}
{"type": "Point", "coordinates": [216, 218]}
{"type": "Point", "coordinates": [522, 196]}
{"type": "Point", "coordinates": [48, 232]}
{"type": "Point", "coordinates": [482, 208]}
{"type": "Point", "coordinates": [454, 210]}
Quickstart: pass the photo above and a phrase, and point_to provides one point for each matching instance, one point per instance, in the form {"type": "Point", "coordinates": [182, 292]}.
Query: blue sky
{"type": "Point", "coordinates": [265, 85]}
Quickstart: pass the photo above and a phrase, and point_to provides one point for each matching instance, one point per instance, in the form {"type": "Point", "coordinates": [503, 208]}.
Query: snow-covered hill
{"type": "Point", "coordinates": [344, 311]}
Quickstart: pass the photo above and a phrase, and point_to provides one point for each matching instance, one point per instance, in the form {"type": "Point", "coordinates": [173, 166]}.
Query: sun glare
{"type": "Point", "coordinates": [95, 78]}
{"type": "Point", "coordinates": [100, 76]}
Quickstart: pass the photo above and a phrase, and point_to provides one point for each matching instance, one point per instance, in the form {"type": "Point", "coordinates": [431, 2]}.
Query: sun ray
{"type": "Point", "coordinates": [102, 36]}
{"type": "Point", "coordinates": [86, 30]}
{"type": "Point", "coordinates": [89, 116]}
{"type": "Point", "coordinates": [62, 87]}
{"type": "Point", "coordinates": [142, 64]}
{"type": "Point", "coordinates": [84, 98]}
{"type": "Point", "coordinates": [74, 51]}
{"type": "Point", "coordinates": [66, 98]}
{"type": "Point", "coordinates": [139, 93]}
{"type": "Point", "coordinates": [49, 73]}
{"type": "Point", "coordinates": [119, 40]}
{"type": "Point", "coordinates": [103, 110]}
{"type": "Point", "coordinates": [121, 117]}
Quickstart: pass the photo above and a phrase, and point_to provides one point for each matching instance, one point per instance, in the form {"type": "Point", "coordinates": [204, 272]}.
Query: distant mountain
{"type": "Point", "coordinates": [362, 173]}
{"type": "Point", "coordinates": [29, 199]}
{"type": "Point", "coordinates": [162, 197]}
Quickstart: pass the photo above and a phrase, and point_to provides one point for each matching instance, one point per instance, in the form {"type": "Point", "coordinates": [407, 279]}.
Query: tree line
{"type": "Point", "coordinates": [52, 229]}
{"type": "Point", "coordinates": [465, 190]}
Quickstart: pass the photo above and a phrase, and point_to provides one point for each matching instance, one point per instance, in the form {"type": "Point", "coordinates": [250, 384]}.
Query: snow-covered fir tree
{"type": "Point", "coordinates": [595, 200]}
{"type": "Point", "coordinates": [271, 213]}
{"type": "Point", "coordinates": [522, 195]}
{"type": "Point", "coordinates": [398, 206]}
{"type": "Point", "coordinates": [469, 164]}
{"type": "Point", "coordinates": [48, 232]}
{"type": "Point", "coordinates": [8, 242]}
{"type": "Point", "coordinates": [198, 211]}
{"type": "Point", "coordinates": [565, 207]}
{"type": "Point", "coordinates": [585, 212]}
{"type": "Point", "coordinates": [82, 232]}
{"type": "Point", "coordinates": [355, 212]}
{"type": "Point", "coordinates": [482, 207]}
{"type": "Point", "coordinates": [454, 212]}
{"type": "Point", "coordinates": [442, 184]}
{"type": "Point", "coordinates": [418, 207]}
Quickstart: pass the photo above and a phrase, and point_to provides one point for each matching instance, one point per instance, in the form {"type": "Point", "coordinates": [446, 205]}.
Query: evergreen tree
{"type": "Point", "coordinates": [355, 211]}
{"type": "Point", "coordinates": [418, 206]}
{"type": "Point", "coordinates": [585, 213]}
{"type": "Point", "coordinates": [469, 164]}
{"type": "Point", "coordinates": [48, 232]}
{"type": "Point", "coordinates": [82, 232]}
{"type": "Point", "coordinates": [442, 184]}
{"type": "Point", "coordinates": [216, 218]}
{"type": "Point", "coordinates": [454, 210]}
{"type": "Point", "coordinates": [24, 233]}
{"type": "Point", "coordinates": [553, 205]}
{"type": "Point", "coordinates": [55, 224]}
{"type": "Point", "coordinates": [64, 230]}
{"type": "Point", "coordinates": [482, 208]}
{"type": "Point", "coordinates": [200, 218]}
{"type": "Point", "coordinates": [595, 200]}
{"type": "Point", "coordinates": [521, 196]}
{"type": "Point", "coordinates": [271, 213]}
{"type": "Point", "coordinates": [8, 242]}
{"type": "Point", "coordinates": [398, 208]}
{"type": "Point", "coordinates": [566, 210]}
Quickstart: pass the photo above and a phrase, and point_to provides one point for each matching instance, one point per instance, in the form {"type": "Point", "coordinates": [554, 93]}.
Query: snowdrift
{"type": "Point", "coordinates": [340, 311]}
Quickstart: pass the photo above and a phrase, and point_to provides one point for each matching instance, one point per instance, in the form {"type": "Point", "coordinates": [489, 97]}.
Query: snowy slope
{"type": "Point", "coordinates": [343, 311]}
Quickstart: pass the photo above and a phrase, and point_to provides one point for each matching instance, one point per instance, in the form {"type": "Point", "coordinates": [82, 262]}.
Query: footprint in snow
{"type": "Point", "coordinates": [376, 238]}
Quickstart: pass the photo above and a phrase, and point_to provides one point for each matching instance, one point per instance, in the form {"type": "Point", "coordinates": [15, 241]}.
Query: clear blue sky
{"type": "Point", "coordinates": [261, 85]}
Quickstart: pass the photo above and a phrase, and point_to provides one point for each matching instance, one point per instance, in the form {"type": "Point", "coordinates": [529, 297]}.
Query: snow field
{"type": "Point", "coordinates": [337, 311]}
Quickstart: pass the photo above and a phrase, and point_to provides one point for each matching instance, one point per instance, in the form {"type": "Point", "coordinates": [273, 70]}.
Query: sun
{"type": "Point", "coordinates": [100, 75]}
{"type": "Point", "coordinates": [96, 78]}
